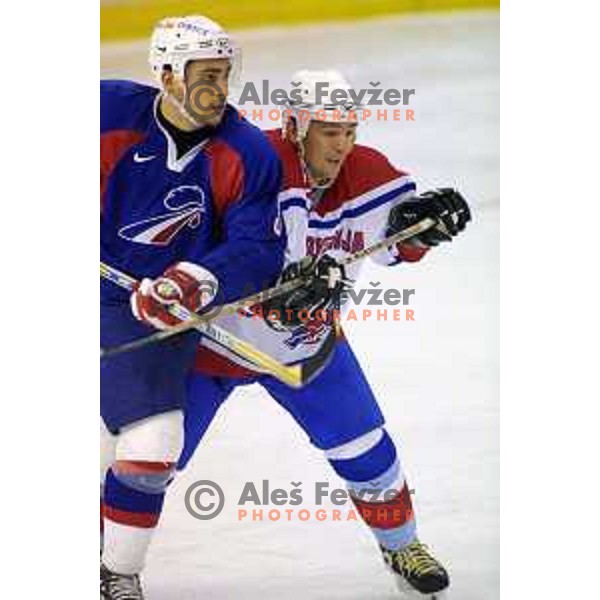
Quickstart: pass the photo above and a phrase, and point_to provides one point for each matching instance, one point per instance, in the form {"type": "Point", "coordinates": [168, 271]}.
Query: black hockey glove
{"type": "Point", "coordinates": [323, 291]}
{"type": "Point", "coordinates": [445, 205]}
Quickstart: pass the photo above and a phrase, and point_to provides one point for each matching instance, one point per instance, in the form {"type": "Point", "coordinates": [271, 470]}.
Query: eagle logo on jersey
{"type": "Point", "coordinates": [185, 204]}
{"type": "Point", "coordinates": [308, 334]}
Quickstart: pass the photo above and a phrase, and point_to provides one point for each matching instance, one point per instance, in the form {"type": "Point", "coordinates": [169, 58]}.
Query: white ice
{"type": "Point", "coordinates": [436, 378]}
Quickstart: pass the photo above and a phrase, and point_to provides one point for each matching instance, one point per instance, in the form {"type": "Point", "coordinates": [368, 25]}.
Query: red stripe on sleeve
{"type": "Point", "coordinates": [113, 146]}
{"type": "Point", "coordinates": [226, 176]}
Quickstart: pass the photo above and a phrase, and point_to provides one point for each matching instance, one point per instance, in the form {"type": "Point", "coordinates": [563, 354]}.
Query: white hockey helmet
{"type": "Point", "coordinates": [179, 40]}
{"type": "Point", "coordinates": [313, 98]}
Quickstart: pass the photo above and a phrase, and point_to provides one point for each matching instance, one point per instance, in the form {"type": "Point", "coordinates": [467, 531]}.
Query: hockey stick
{"type": "Point", "coordinates": [292, 375]}
{"type": "Point", "coordinates": [127, 282]}
{"type": "Point", "coordinates": [401, 236]}
{"type": "Point", "coordinates": [228, 309]}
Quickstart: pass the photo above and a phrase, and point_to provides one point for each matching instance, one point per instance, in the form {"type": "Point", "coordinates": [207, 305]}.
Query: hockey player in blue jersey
{"type": "Point", "coordinates": [188, 205]}
{"type": "Point", "coordinates": [337, 198]}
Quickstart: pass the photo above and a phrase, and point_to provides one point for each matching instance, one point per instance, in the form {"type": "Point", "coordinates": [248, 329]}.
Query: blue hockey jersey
{"type": "Point", "coordinates": [215, 206]}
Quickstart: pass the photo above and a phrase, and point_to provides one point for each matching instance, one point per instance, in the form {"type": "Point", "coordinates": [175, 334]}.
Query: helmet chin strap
{"type": "Point", "coordinates": [319, 184]}
{"type": "Point", "coordinates": [314, 182]}
{"type": "Point", "coordinates": [180, 107]}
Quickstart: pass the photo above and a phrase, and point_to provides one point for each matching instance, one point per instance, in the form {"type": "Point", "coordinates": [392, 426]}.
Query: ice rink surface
{"type": "Point", "coordinates": [436, 378]}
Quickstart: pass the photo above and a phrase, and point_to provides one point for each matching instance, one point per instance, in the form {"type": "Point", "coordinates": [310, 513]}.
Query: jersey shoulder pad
{"type": "Point", "coordinates": [241, 152]}
{"type": "Point", "coordinates": [369, 168]}
{"type": "Point", "coordinates": [366, 169]}
{"type": "Point", "coordinates": [125, 105]}
{"type": "Point", "coordinates": [366, 176]}
{"type": "Point", "coordinates": [248, 140]}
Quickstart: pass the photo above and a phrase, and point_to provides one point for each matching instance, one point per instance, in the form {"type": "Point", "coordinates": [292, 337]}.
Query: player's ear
{"type": "Point", "coordinates": [167, 78]}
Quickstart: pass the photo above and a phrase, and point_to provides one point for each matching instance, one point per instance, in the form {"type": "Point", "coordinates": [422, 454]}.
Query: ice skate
{"type": "Point", "coordinates": [417, 573]}
{"type": "Point", "coordinates": [119, 587]}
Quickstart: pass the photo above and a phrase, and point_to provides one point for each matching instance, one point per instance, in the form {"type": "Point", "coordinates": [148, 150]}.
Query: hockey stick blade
{"type": "Point", "coordinates": [311, 367]}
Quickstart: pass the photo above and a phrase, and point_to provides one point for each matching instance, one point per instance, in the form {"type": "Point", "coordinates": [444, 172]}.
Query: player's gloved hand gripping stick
{"type": "Point", "coordinates": [317, 299]}
{"type": "Point", "coordinates": [193, 321]}
{"type": "Point", "coordinates": [445, 205]}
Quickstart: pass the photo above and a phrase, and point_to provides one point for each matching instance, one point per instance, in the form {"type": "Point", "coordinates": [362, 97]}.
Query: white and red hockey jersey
{"type": "Point", "coordinates": [340, 220]}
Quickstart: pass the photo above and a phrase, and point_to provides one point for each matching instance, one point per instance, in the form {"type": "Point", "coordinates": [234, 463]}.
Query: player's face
{"type": "Point", "coordinates": [207, 89]}
{"type": "Point", "coordinates": [326, 147]}
{"type": "Point", "coordinates": [207, 86]}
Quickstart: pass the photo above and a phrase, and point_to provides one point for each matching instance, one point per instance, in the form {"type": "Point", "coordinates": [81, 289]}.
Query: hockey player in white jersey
{"type": "Point", "coordinates": [338, 197]}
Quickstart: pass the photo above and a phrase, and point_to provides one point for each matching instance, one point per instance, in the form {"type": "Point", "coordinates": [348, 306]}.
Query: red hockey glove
{"type": "Point", "coordinates": [184, 283]}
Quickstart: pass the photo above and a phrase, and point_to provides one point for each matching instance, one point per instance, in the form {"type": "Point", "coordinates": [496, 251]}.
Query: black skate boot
{"type": "Point", "coordinates": [119, 587]}
{"type": "Point", "coordinates": [417, 573]}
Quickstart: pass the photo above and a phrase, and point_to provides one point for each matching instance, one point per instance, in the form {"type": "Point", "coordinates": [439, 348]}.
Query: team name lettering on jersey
{"type": "Point", "coordinates": [343, 239]}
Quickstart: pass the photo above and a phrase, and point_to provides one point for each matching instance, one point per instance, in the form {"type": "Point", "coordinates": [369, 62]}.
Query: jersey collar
{"type": "Point", "coordinates": [174, 163]}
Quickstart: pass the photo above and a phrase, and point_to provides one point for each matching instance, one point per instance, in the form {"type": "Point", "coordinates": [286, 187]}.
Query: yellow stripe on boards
{"type": "Point", "coordinates": [134, 19]}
